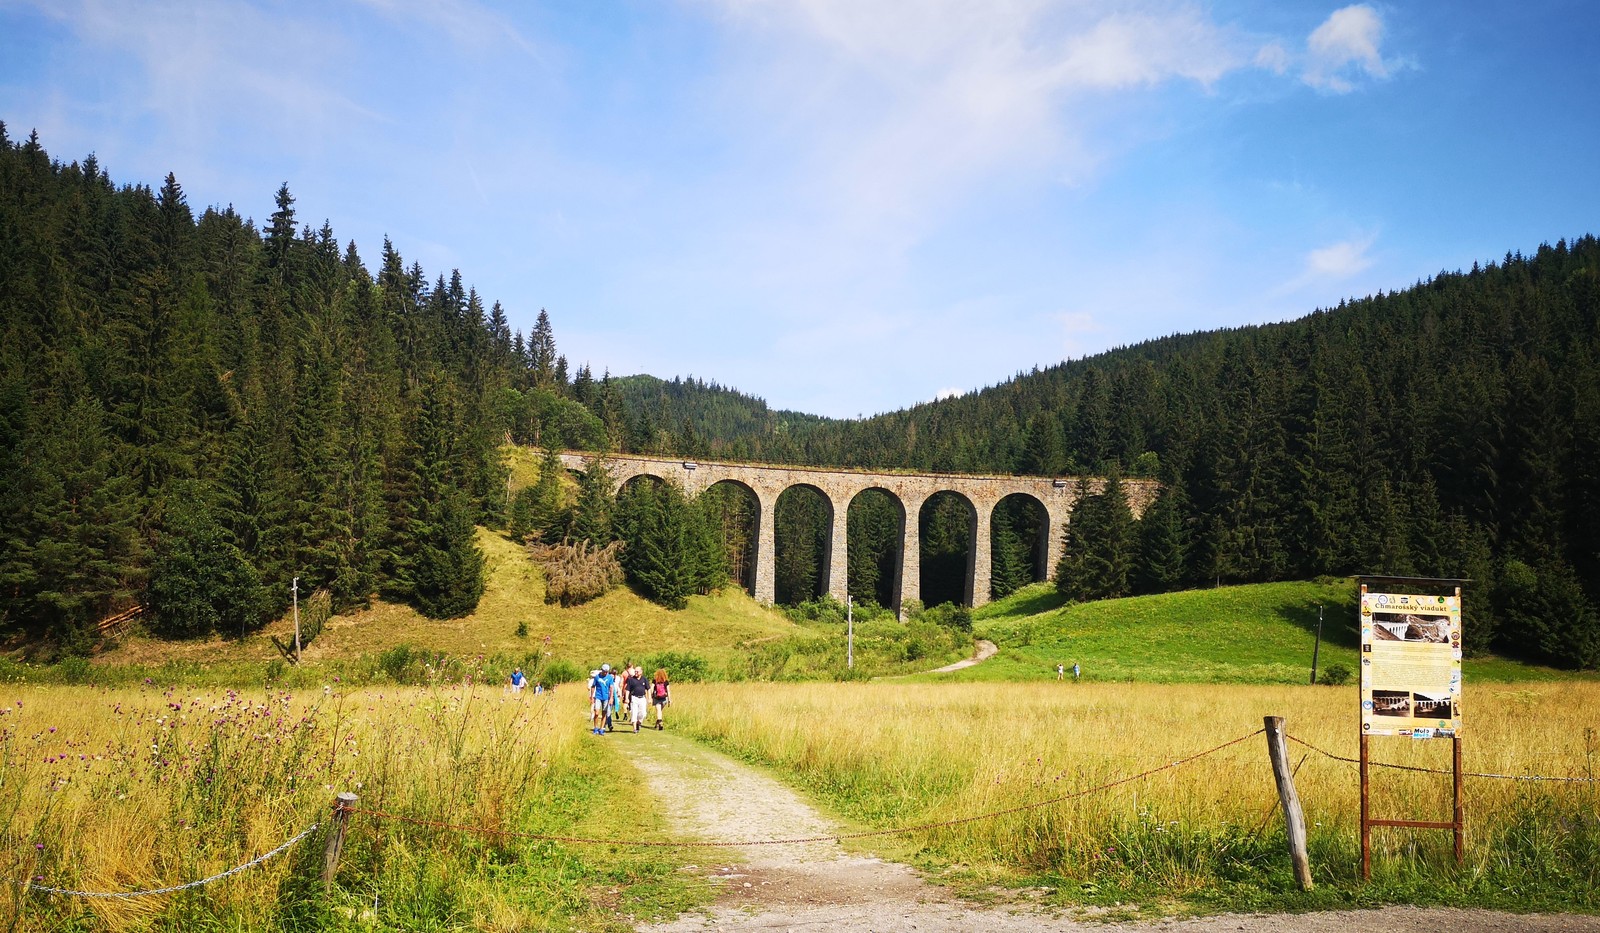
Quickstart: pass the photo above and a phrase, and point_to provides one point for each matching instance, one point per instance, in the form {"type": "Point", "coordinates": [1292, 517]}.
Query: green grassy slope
{"type": "Point", "coordinates": [1261, 633]}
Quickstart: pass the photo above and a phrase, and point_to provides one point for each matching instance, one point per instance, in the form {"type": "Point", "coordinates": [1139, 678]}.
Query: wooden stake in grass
{"type": "Point", "coordinates": [1278, 751]}
{"type": "Point", "coordinates": [342, 805]}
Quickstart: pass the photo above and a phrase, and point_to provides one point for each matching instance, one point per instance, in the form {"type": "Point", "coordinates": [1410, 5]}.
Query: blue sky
{"type": "Point", "coordinates": [847, 206]}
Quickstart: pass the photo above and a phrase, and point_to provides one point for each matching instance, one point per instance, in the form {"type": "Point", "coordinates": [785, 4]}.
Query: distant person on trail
{"type": "Point", "coordinates": [1061, 672]}
{"type": "Point", "coordinates": [659, 695]}
{"type": "Point", "coordinates": [600, 699]}
{"type": "Point", "coordinates": [1075, 672]}
{"type": "Point", "coordinates": [517, 680]}
{"type": "Point", "coordinates": [637, 688]}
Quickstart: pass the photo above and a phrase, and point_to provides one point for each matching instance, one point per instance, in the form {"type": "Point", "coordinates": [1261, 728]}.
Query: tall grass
{"type": "Point", "coordinates": [1206, 832]}
{"type": "Point", "coordinates": [107, 790]}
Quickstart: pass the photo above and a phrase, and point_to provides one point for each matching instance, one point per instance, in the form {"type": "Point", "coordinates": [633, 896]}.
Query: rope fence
{"type": "Point", "coordinates": [346, 807]}
{"type": "Point", "coordinates": [799, 840]}
{"type": "Point", "coordinates": [32, 886]}
{"type": "Point", "coordinates": [1474, 774]}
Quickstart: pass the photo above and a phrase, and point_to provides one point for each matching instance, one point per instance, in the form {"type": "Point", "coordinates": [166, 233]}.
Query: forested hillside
{"type": "Point", "coordinates": [1452, 428]}
{"type": "Point", "coordinates": [694, 418]}
{"type": "Point", "coordinates": [193, 411]}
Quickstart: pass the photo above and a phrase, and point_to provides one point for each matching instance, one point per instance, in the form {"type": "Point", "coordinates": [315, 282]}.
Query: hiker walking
{"type": "Point", "coordinates": [1075, 672]}
{"type": "Point", "coordinates": [616, 697]}
{"type": "Point", "coordinates": [659, 695]}
{"type": "Point", "coordinates": [637, 688]}
{"type": "Point", "coordinates": [1061, 672]}
{"type": "Point", "coordinates": [517, 681]}
{"type": "Point", "coordinates": [600, 685]}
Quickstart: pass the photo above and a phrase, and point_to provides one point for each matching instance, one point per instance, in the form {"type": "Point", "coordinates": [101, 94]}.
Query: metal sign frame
{"type": "Point", "coordinates": [1458, 822]}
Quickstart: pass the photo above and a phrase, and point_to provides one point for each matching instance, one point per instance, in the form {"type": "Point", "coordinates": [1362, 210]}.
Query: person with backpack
{"type": "Point", "coordinates": [636, 687]}
{"type": "Point", "coordinates": [600, 687]}
{"type": "Point", "coordinates": [659, 695]}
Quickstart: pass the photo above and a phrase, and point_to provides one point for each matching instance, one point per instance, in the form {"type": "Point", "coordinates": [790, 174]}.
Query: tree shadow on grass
{"type": "Point", "coordinates": [1338, 620]}
{"type": "Point", "coordinates": [1031, 601]}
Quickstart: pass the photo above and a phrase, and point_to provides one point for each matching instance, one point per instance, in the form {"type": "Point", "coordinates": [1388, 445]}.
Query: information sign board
{"type": "Point", "coordinates": [1410, 665]}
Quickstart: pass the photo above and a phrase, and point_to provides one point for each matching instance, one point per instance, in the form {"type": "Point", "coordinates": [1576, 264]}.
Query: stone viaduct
{"type": "Point", "coordinates": [838, 487]}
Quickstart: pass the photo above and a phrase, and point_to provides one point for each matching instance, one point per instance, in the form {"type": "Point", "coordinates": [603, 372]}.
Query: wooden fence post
{"type": "Point", "coordinates": [1278, 751]}
{"type": "Point", "coordinates": [342, 805]}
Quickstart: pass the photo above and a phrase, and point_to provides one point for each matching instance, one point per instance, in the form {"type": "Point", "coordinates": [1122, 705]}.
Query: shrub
{"type": "Point", "coordinates": [560, 671]}
{"type": "Point", "coordinates": [314, 615]}
{"type": "Point", "coordinates": [681, 666]}
{"type": "Point", "coordinates": [949, 615]}
{"type": "Point", "coordinates": [74, 670]}
{"type": "Point", "coordinates": [396, 662]}
{"type": "Point", "coordinates": [578, 572]}
{"type": "Point", "coordinates": [1334, 675]}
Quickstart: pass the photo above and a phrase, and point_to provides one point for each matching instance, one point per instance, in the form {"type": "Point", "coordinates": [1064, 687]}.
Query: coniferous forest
{"type": "Point", "coordinates": [1450, 429]}
{"type": "Point", "coordinates": [194, 410]}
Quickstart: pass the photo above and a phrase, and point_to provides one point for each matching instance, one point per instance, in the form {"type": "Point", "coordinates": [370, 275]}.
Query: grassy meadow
{"type": "Point", "coordinates": [132, 788]}
{"type": "Point", "coordinates": [1255, 634]}
{"type": "Point", "coordinates": [1202, 836]}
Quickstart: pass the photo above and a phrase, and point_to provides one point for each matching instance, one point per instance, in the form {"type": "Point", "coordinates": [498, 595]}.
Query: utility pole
{"type": "Point", "coordinates": [1317, 648]}
{"type": "Point", "coordinates": [850, 632]}
{"type": "Point", "coordinates": [294, 589]}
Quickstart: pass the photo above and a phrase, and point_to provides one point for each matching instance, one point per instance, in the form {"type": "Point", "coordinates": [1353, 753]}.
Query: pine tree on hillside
{"type": "Point", "coordinates": [591, 519]}
{"type": "Point", "coordinates": [1162, 546]}
{"type": "Point", "coordinates": [1074, 578]}
{"type": "Point", "coordinates": [438, 567]}
{"type": "Point", "coordinates": [1117, 549]}
{"type": "Point", "coordinates": [200, 581]}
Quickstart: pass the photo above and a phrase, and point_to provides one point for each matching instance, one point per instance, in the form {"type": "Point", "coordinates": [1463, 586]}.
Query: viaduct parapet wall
{"type": "Point", "coordinates": [839, 487]}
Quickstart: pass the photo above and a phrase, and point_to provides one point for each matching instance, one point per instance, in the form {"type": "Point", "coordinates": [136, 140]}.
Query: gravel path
{"type": "Point", "coordinates": [986, 650]}
{"type": "Point", "coordinates": [819, 886]}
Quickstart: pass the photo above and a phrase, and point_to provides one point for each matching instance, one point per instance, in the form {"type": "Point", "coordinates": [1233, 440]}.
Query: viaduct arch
{"type": "Point", "coordinates": [840, 486]}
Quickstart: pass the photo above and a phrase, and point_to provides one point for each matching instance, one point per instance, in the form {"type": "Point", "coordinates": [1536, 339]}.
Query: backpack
{"type": "Point", "coordinates": [661, 689]}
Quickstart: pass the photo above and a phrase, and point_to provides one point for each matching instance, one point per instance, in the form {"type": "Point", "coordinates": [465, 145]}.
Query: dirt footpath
{"type": "Point", "coordinates": [986, 650]}
{"type": "Point", "coordinates": [819, 886]}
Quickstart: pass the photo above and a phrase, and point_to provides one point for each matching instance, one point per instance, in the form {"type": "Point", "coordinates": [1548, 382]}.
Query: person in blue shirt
{"type": "Point", "coordinates": [518, 680]}
{"type": "Point", "coordinates": [601, 685]}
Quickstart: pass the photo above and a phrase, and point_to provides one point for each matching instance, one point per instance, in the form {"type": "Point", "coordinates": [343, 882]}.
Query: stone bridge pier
{"type": "Point", "coordinates": [839, 487]}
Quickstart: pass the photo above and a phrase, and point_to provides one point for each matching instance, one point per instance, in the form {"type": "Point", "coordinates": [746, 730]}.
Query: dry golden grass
{"type": "Point", "coordinates": [107, 790]}
{"type": "Point", "coordinates": [903, 754]}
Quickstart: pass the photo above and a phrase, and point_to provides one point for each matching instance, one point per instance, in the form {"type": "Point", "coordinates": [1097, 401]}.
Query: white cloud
{"type": "Point", "coordinates": [1340, 260]}
{"type": "Point", "coordinates": [1273, 57]}
{"type": "Point", "coordinates": [205, 71]}
{"type": "Point", "coordinates": [1325, 265]}
{"type": "Point", "coordinates": [898, 111]}
{"type": "Point", "coordinates": [1345, 45]}
{"type": "Point", "coordinates": [948, 393]}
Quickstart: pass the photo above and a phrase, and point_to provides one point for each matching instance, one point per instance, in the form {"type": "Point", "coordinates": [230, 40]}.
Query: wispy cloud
{"type": "Point", "coordinates": [1330, 264]}
{"type": "Point", "coordinates": [468, 24]}
{"type": "Point", "coordinates": [1340, 260]}
{"type": "Point", "coordinates": [902, 110]}
{"type": "Point", "coordinates": [1346, 46]}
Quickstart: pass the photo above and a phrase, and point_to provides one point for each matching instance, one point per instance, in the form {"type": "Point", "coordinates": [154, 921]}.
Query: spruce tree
{"type": "Point", "coordinates": [200, 581]}
{"type": "Point", "coordinates": [1162, 546]}
{"type": "Point", "coordinates": [591, 519]}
